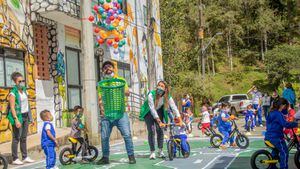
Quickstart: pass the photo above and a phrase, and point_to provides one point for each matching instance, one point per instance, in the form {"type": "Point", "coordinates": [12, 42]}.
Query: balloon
{"type": "Point", "coordinates": [111, 27]}
{"type": "Point", "coordinates": [114, 24]}
{"type": "Point", "coordinates": [115, 15]}
{"type": "Point", "coordinates": [106, 7]}
{"type": "Point", "coordinates": [121, 28]}
{"type": "Point", "coordinates": [104, 16]}
{"type": "Point", "coordinates": [115, 45]}
{"type": "Point", "coordinates": [108, 21]}
{"type": "Point", "coordinates": [119, 18]}
{"type": "Point", "coordinates": [96, 7]}
{"type": "Point", "coordinates": [108, 1]}
{"type": "Point", "coordinates": [101, 2]}
{"type": "Point", "coordinates": [96, 30]}
{"type": "Point", "coordinates": [118, 6]}
{"type": "Point", "coordinates": [120, 11]}
{"type": "Point", "coordinates": [109, 42]}
{"type": "Point", "coordinates": [91, 18]}
{"type": "Point", "coordinates": [101, 10]}
{"type": "Point", "coordinates": [103, 35]}
{"type": "Point", "coordinates": [97, 45]}
{"type": "Point", "coordinates": [117, 39]}
{"type": "Point", "coordinates": [100, 41]}
{"type": "Point", "coordinates": [111, 11]}
{"type": "Point", "coordinates": [112, 18]}
{"type": "Point", "coordinates": [120, 44]}
{"type": "Point", "coordinates": [119, 1]}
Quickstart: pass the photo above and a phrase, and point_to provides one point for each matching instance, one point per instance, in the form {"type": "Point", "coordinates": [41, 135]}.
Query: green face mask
{"type": "Point", "coordinates": [21, 85]}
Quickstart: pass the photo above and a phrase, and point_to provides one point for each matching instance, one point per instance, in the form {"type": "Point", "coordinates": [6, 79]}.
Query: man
{"type": "Point", "coordinates": [256, 103]}
{"type": "Point", "coordinates": [122, 124]}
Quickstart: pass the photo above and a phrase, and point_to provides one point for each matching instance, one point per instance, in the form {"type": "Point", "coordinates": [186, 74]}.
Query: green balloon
{"type": "Point", "coordinates": [108, 1]}
{"type": "Point", "coordinates": [120, 1]}
{"type": "Point", "coordinates": [101, 2]}
{"type": "Point", "coordinates": [111, 27]}
{"type": "Point", "coordinates": [104, 16]}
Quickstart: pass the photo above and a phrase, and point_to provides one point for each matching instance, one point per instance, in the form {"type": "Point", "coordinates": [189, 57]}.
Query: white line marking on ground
{"type": "Point", "coordinates": [232, 160]}
{"type": "Point", "coordinates": [214, 159]}
{"type": "Point", "coordinates": [198, 161]}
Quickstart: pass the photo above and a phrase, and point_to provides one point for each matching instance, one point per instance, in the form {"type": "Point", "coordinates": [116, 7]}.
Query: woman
{"type": "Point", "coordinates": [20, 117]}
{"type": "Point", "coordinates": [289, 94]}
{"type": "Point", "coordinates": [154, 111]}
{"type": "Point", "coordinates": [266, 103]}
{"type": "Point", "coordinates": [275, 125]}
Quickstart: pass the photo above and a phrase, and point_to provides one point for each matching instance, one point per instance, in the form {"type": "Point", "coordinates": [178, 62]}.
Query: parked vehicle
{"type": "Point", "coordinates": [238, 103]}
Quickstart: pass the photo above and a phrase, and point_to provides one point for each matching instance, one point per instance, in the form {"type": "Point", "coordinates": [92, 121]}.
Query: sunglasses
{"type": "Point", "coordinates": [21, 81]}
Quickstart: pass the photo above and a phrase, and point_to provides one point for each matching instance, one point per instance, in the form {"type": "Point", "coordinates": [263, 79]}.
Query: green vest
{"type": "Point", "coordinates": [146, 109]}
{"type": "Point", "coordinates": [10, 117]}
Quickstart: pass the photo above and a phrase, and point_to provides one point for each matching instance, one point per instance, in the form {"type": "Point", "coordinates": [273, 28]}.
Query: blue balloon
{"type": "Point", "coordinates": [101, 10]}
{"type": "Point", "coordinates": [120, 1]}
{"type": "Point", "coordinates": [120, 11]}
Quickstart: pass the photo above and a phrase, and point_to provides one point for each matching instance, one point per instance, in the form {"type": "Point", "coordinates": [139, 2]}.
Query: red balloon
{"type": "Point", "coordinates": [109, 42]}
{"type": "Point", "coordinates": [117, 39]}
{"type": "Point", "coordinates": [112, 18]}
{"type": "Point", "coordinates": [119, 18]}
{"type": "Point", "coordinates": [91, 18]}
{"type": "Point", "coordinates": [96, 7]}
{"type": "Point", "coordinates": [96, 30]}
{"type": "Point", "coordinates": [118, 6]}
{"type": "Point", "coordinates": [100, 41]}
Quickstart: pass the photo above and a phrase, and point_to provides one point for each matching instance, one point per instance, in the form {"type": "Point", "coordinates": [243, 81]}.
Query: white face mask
{"type": "Point", "coordinates": [106, 76]}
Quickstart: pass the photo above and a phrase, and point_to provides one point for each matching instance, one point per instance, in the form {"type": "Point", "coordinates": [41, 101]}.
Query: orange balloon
{"type": "Point", "coordinates": [106, 6]}
{"type": "Point", "coordinates": [116, 45]}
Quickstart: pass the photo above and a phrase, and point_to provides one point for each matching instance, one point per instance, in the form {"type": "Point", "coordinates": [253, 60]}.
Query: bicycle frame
{"type": "Point", "coordinates": [235, 129]}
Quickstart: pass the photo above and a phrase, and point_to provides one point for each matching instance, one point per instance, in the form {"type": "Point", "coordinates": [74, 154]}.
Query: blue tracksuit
{"type": "Point", "coordinates": [225, 127]}
{"type": "Point", "coordinates": [274, 134]}
{"type": "Point", "coordinates": [258, 115]}
{"type": "Point", "coordinates": [184, 146]}
{"type": "Point", "coordinates": [48, 145]}
{"type": "Point", "coordinates": [249, 117]}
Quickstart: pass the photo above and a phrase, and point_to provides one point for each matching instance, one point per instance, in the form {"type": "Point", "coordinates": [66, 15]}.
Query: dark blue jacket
{"type": "Point", "coordinates": [45, 140]}
{"type": "Point", "coordinates": [223, 125]}
{"type": "Point", "coordinates": [289, 95]}
{"type": "Point", "coordinates": [275, 125]}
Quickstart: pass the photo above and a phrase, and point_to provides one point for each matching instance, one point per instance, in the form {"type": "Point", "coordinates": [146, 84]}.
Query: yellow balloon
{"type": "Point", "coordinates": [121, 28]}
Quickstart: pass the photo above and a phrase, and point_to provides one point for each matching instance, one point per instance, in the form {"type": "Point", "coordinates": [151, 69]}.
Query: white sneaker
{"type": "Point", "coordinates": [28, 160]}
{"type": "Point", "coordinates": [248, 133]}
{"type": "Point", "coordinates": [161, 154]}
{"type": "Point", "coordinates": [17, 162]}
{"type": "Point", "coordinates": [55, 167]}
{"type": "Point", "coordinates": [152, 155]}
{"type": "Point", "coordinates": [261, 125]}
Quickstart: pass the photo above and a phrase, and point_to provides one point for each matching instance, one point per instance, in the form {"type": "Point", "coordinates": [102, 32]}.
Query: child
{"type": "Point", "coordinates": [205, 119]}
{"type": "Point", "coordinates": [249, 116]}
{"type": "Point", "coordinates": [48, 140]}
{"type": "Point", "coordinates": [77, 127]}
{"type": "Point", "coordinates": [179, 133]}
{"type": "Point", "coordinates": [214, 121]}
{"type": "Point", "coordinates": [225, 126]}
{"type": "Point", "coordinates": [290, 117]}
{"type": "Point", "coordinates": [274, 133]}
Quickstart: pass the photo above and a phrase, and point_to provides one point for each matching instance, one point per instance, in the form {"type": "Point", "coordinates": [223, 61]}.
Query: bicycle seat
{"type": "Point", "coordinates": [269, 144]}
{"type": "Point", "coordinates": [73, 140]}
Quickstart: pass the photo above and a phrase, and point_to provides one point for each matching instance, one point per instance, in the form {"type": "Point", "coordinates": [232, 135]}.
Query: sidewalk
{"type": "Point", "coordinates": [34, 143]}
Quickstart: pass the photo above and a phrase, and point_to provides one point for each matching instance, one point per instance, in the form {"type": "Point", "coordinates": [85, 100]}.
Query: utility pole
{"type": "Point", "coordinates": [89, 77]}
{"type": "Point", "coordinates": [150, 52]}
{"type": "Point", "coordinates": [201, 37]}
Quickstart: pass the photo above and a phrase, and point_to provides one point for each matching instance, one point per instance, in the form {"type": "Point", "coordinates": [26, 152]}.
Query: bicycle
{"type": "Point", "coordinates": [263, 158]}
{"type": "Point", "coordinates": [188, 121]}
{"type": "Point", "coordinates": [241, 140]}
{"type": "Point", "coordinates": [3, 162]}
{"type": "Point", "coordinates": [72, 155]}
{"type": "Point", "coordinates": [172, 142]}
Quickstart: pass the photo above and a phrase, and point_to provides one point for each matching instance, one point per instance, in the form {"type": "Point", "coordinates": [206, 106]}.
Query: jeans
{"type": "Point", "coordinates": [151, 127]}
{"type": "Point", "coordinates": [258, 115]}
{"type": "Point", "coordinates": [123, 126]}
{"type": "Point", "coordinates": [20, 136]}
{"type": "Point", "coordinates": [50, 156]}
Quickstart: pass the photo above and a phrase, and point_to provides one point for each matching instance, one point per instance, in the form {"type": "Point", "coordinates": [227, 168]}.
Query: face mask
{"type": "Point", "coordinates": [106, 76]}
{"type": "Point", "coordinates": [160, 91]}
{"type": "Point", "coordinates": [79, 115]}
{"type": "Point", "coordinates": [51, 118]}
{"type": "Point", "coordinates": [284, 112]}
{"type": "Point", "coordinates": [21, 85]}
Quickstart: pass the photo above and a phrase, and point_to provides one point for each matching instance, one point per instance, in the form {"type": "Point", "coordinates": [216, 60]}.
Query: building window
{"type": "Point", "coordinates": [124, 71]}
{"type": "Point", "coordinates": [124, 6]}
{"type": "Point", "coordinates": [145, 12]}
{"type": "Point", "coordinates": [73, 77]}
{"type": "Point", "coordinates": [11, 60]}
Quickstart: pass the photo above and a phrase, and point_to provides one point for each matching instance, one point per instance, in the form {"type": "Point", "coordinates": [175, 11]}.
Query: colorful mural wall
{"type": "Point", "coordinates": [16, 33]}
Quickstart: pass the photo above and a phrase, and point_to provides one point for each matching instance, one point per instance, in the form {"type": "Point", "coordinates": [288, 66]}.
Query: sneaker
{"type": "Point", "coordinates": [152, 155]}
{"type": "Point", "coordinates": [233, 145]}
{"type": "Point", "coordinates": [248, 133]}
{"type": "Point", "coordinates": [261, 125]}
{"type": "Point", "coordinates": [131, 159]}
{"type": "Point", "coordinates": [223, 147]}
{"type": "Point", "coordinates": [28, 160]}
{"type": "Point", "coordinates": [17, 162]}
{"type": "Point", "coordinates": [103, 161]}
{"type": "Point", "coordinates": [161, 154]}
{"type": "Point", "coordinates": [55, 167]}
{"type": "Point", "coordinates": [252, 129]}
{"type": "Point", "coordinates": [186, 155]}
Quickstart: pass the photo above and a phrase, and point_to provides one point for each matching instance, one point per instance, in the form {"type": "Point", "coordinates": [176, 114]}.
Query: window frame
{"type": "Point", "coordinates": [124, 66]}
{"type": "Point", "coordinates": [71, 86]}
{"type": "Point", "coordinates": [2, 55]}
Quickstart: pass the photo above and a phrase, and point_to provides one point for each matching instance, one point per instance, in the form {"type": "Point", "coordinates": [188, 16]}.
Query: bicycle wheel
{"type": "Point", "coordinates": [170, 147]}
{"type": "Point", "coordinates": [92, 153]}
{"type": "Point", "coordinates": [216, 140]}
{"type": "Point", "coordinates": [199, 125]}
{"type": "Point", "coordinates": [242, 141]}
{"type": "Point", "coordinates": [66, 156]}
{"type": "Point", "coordinates": [297, 159]}
{"type": "Point", "coordinates": [258, 158]}
{"type": "Point", "coordinates": [3, 162]}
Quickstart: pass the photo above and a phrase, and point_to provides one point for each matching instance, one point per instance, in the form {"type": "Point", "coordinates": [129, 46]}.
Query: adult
{"type": "Point", "coordinates": [266, 103]}
{"type": "Point", "coordinates": [155, 111]}
{"type": "Point", "coordinates": [19, 116]}
{"type": "Point", "coordinates": [107, 125]}
{"type": "Point", "coordinates": [274, 96]}
{"type": "Point", "coordinates": [256, 103]}
{"type": "Point", "coordinates": [289, 94]}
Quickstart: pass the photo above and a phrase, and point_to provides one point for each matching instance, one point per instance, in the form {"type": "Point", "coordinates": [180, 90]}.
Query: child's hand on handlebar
{"type": "Point", "coordinates": [232, 117]}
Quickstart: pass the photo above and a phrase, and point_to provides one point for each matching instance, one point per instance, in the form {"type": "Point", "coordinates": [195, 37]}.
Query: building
{"type": "Point", "coordinates": [46, 41]}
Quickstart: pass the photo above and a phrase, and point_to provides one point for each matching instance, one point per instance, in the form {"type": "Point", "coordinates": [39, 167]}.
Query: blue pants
{"type": "Point", "coordinates": [183, 145]}
{"type": "Point", "coordinates": [281, 147]}
{"type": "Point", "coordinates": [266, 111]}
{"type": "Point", "coordinates": [214, 121]}
{"type": "Point", "coordinates": [258, 115]}
{"type": "Point", "coordinates": [226, 135]}
{"type": "Point", "coordinates": [50, 156]}
{"type": "Point", "coordinates": [249, 118]}
{"type": "Point", "coordinates": [123, 126]}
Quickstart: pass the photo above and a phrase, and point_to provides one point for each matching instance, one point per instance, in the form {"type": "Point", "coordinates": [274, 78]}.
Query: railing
{"type": "Point", "coordinates": [134, 104]}
{"type": "Point", "coordinates": [70, 7]}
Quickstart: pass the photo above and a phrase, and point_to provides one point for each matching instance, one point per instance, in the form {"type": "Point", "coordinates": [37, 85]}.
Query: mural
{"type": "Point", "coordinates": [16, 33]}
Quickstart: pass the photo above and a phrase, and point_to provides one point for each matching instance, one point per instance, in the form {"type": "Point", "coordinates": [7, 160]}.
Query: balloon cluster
{"type": "Point", "coordinates": [109, 29]}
